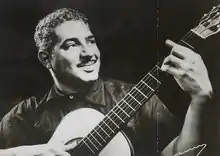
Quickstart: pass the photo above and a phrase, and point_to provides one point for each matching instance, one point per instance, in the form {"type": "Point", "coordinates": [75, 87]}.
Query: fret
{"type": "Point", "coordinates": [158, 67]}
{"type": "Point", "coordinates": [124, 111]}
{"type": "Point", "coordinates": [88, 146]}
{"type": "Point", "coordinates": [138, 95]}
{"type": "Point", "coordinates": [92, 143]}
{"type": "Point", "coordinates": [154, 78]}
{"type": "Point", "coordinates": [148, 86]}
{"type": "Point", "coordinates": [118, 116]}
{"type": "Point", "coordinates": [95, 139]}
{"type": "Point", "coordinates": [140, 92]}
{"type": "Point", "coordinates": [112, 121]}
{"type": "Point", "coordinates": [104, 131]}
{"type": "Point", "coordinates": [143, 82]}
{"type": "Point", "coordinates": [108, 126]}
{"type": "Point", "coordinates": [128, 105]}
{"type": "Point", "coordinates": [99, 135]}
{"type": "Point", "coordinates": [134, 99]}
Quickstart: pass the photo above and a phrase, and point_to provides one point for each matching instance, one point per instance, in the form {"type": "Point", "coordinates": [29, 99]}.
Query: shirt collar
{"type": "Point", "coordinates": [95, 95]}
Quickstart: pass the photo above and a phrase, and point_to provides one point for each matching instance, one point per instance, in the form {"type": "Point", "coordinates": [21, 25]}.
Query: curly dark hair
{"type": "Point", "coordinates": [44, 33]}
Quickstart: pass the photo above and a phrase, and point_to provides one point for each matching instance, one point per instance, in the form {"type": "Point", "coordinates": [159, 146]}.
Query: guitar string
{"type": "Point", "coordinates": [189, 34]}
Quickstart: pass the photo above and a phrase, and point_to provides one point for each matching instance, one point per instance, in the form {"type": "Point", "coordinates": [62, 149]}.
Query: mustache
{"type": "Point", "coordinates": [87, 59]}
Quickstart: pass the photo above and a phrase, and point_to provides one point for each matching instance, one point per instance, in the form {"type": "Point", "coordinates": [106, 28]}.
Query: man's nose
{"type": "Point", "coordinates": [86, 51]}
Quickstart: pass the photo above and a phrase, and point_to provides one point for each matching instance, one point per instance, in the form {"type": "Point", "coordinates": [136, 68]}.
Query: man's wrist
{"type": "Point", "coordinates": [200, 101]}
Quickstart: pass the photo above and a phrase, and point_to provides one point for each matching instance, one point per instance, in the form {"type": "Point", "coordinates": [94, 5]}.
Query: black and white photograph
{"type": "Point", "coordinates": [110, 78]}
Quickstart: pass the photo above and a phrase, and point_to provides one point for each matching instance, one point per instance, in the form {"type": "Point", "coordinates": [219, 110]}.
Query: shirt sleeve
{"type": "Point", "coordinates": [13, 126]}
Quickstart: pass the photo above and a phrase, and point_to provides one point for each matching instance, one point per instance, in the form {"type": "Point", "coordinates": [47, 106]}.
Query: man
{"type": "Point", "coordinates": [67, 48]}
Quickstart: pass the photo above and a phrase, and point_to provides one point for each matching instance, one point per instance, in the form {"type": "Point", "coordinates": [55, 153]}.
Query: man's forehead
{"type": "Point", "coordinates": [70, 29]}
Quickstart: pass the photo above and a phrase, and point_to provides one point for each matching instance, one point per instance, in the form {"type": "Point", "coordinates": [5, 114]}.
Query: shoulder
{"type": "Point", "coordinates": [14, 124]}
{"type": "Point", "coordinates": [24, 107]}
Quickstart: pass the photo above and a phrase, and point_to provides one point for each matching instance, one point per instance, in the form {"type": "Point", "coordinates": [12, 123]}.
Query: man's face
{"type": "Point", "coordinates": [76, 53]}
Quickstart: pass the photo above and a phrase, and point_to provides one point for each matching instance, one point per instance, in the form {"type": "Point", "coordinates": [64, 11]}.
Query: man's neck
{"type": "Point", "coordinates": [71, 85]}
{"type": "Point", "coordinates": [79, 87]}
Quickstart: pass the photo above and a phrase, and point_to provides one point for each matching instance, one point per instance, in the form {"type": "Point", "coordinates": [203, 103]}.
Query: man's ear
{"type": "Point", "coordinates": [44, 58]}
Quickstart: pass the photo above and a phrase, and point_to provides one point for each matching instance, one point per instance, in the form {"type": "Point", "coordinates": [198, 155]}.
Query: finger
{"type": "Point", "coordinates": [174, 61]}
{"type": "Point", "coordinates": [70, 146]}
{"type": "Point", "coordinates": [181, 51]}
{"type": "Point", "coordinates": [185, 54]}
{"type": "Point", "coordinates": [174, 48]}
{"type": "Point", "coordinates": [170, 43]}
{"type": "Point", "coordinates": [173, 71]}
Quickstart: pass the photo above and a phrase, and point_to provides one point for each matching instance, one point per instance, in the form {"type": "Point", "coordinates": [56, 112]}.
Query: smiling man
{"type": "Point", "coordinates": [75, 56]}
{"type": "Point", "coordinates": [67, 48]}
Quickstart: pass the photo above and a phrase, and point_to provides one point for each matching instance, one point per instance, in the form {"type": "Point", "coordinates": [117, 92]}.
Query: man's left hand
{"type": "Point", "coordinates": [189, 70]}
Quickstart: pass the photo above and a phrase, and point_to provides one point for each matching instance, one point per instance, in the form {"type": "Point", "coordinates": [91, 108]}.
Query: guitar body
{"type": "Point", "coordinates": [79, 123]}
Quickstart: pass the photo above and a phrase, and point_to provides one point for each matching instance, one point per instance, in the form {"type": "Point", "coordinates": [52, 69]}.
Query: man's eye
{"type": "Point", "coordinates": [71, 44]}
{"type": "Point", "coordinates": [92, 41]}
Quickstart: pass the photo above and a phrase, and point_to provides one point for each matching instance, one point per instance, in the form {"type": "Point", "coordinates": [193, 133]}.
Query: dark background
{"type": "Point", "coordinates": [130, 35]}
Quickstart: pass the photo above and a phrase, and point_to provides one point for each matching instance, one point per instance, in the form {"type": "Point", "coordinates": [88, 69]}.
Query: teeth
{"type": "Point", "coordinates": [89, 63]}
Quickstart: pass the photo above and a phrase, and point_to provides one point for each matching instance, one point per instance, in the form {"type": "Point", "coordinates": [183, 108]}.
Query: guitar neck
{"type": "Point", "coordinates": [191, 39]}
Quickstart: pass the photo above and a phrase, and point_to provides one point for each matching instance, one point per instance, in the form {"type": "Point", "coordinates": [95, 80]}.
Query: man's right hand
{"type": "Point", "coordinates": [38, 150]}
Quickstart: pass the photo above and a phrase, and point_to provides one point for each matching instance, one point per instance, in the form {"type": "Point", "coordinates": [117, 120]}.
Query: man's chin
{"type": "Point", "coordinates": [89, 77]}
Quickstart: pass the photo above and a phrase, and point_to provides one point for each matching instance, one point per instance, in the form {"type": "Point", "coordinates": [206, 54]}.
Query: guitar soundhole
{"type": "Point", "coordinates": [77, 140]}
{"type": "Point", "coordinates": [77, 151]}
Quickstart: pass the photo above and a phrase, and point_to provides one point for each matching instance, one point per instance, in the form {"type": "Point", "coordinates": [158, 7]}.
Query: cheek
{"type": "Point", "coordinates": [71, 56]}
{"type": "Point", "coordinates": [62, 63]}
{"type": "Point", "coordinates": [97, 51]}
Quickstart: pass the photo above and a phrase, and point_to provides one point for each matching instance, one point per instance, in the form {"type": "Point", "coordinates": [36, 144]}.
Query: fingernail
{"type": "Point", "coordinates": [163, 68]}
{"type": "Point", "coordinates": [170, 43]}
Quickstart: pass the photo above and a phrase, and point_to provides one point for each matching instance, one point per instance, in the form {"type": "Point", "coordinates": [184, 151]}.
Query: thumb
{"type": "Point", "coordinates": [70, 146]}
{"type": "Point", "coordinates": [170, 43]}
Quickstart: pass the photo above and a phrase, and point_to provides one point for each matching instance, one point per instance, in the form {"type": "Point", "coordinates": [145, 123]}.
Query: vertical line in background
{"type": "Point", "coordinates": [157, 49]}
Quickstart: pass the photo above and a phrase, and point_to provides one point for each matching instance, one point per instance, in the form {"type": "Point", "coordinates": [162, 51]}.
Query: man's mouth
{"type": "Point", "coordinates": [90, 63]}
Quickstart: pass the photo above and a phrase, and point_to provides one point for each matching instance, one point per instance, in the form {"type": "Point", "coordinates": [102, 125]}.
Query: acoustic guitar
{"type": "Point", "coordinates": [96, 134]}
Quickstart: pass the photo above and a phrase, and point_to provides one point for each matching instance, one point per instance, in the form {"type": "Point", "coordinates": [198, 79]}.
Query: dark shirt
{"type": "Point", "coordinates": [34, 120]}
